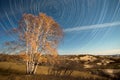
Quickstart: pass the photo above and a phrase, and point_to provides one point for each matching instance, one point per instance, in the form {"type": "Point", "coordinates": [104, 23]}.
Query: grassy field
{"type": "Point", "coordinates": [9, 70]}
{"type": "Point", "coordinates": [15, 70]}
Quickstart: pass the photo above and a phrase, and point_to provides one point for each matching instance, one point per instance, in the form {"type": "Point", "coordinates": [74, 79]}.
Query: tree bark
{"type": "Point", "coordinates": [35, 68]}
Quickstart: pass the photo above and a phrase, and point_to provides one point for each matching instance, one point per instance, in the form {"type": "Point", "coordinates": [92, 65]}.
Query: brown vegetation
{"type": "Point", "coordinates": [12, 67]}
{"type": "Point", "coordinates": [40, 35]}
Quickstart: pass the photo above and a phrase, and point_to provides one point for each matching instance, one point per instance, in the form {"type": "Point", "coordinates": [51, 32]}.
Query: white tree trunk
{"type": "Point", "coordinates": [35, 68]}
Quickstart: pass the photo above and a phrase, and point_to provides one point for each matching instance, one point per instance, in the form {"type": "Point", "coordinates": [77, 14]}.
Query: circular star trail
{"type": "Point", "coordinates": [86, 23]}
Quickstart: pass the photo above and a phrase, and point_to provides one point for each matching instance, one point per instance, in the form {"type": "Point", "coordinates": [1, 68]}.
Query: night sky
{"type": "Point", "coordinates": [90, 26]}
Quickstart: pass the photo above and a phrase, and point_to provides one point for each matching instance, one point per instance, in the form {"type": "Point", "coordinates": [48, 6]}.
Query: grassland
{"type": "Point", "coordinates": [12, 68]}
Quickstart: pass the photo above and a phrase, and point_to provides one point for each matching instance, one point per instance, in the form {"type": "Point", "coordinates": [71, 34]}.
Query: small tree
{"type": "Point", "coordinates": [41, 35]}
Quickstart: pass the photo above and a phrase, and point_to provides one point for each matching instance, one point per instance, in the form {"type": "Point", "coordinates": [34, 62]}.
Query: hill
{"type": "Point", "coordinates": [80, 67]}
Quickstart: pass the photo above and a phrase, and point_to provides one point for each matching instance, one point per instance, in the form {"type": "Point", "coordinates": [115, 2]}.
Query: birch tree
{"type": "Point", "coordinates": [41, 35]}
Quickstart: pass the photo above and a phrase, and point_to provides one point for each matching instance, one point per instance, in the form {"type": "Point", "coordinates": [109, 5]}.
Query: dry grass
{"type": "Point", "coordinates": [15, 71]}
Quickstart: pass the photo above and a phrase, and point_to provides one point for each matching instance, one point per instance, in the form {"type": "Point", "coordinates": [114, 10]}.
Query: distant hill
{"type": "Point", "coordinates": [9, 58]}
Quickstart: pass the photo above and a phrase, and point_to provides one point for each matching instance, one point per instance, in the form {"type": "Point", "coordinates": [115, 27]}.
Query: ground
{"type": "Point", "coordinates": [13, 68]}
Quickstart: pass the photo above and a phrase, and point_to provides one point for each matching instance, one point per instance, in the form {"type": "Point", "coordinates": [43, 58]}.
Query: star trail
{"type": "Point", "coordinates": [90, 26]}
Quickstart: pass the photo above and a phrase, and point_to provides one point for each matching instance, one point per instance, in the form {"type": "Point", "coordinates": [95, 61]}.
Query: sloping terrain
{"type": "Point", "coordinates": [12, 67]}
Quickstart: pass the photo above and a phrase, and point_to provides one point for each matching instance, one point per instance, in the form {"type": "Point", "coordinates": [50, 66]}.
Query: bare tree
{"type": "Point", "coordinates": [41, 35]}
